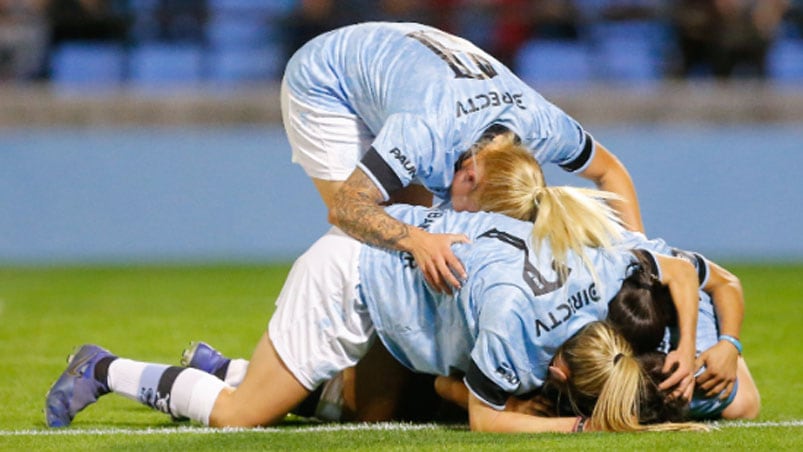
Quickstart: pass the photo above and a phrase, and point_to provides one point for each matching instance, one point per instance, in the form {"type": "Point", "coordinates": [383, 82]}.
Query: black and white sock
{"type": "Point", "coordinates": [178, 391]}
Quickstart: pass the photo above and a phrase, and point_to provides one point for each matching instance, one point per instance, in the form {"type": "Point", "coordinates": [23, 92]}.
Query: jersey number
{"type": "Point", "coordinates": [456, 57]}
{"type": "Point", "coordinates": [537, 282]}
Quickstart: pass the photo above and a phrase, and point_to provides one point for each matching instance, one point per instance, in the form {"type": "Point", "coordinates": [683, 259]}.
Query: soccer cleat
{"type": "Point", "coordinates": [203, 356]}
{"type": "Point", "coordinates": [76, 388]}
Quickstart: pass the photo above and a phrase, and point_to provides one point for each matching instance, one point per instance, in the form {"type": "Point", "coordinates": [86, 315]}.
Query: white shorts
{"type": "Point", "coordinates": [321, 326]}
{"type": "Point", "coordinates": [326, 144]}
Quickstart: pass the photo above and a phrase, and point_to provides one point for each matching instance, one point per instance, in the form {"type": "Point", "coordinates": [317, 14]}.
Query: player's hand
{"type": "Point", "coordinates": [720, 363]}
{"type": "Point", "coordinates": [681, 380]}
{"type": "Point", "coordinates": [433, 254]}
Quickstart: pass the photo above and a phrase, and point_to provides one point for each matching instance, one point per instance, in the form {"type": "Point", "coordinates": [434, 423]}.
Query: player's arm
{"type": "Point", "coordinates": [453, 390]}
{"type": "Point", "coordinates": [721, 360]}
{"type": "Point", "coordinates": [484, 418]}
{"type": "Point", "coordinates": [680, 277]}
{"type": "Point", "coordinates": [609, 174]}
{"type": "Point", "coordinates": [489, 392]}
{"type": "Point", "coordinates": [357, 210]}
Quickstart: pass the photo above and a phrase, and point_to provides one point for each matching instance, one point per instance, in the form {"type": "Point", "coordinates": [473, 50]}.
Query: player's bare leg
{"type": "Point", "coordinates": [747, 403]}
{"type": "Point", "coordinates": [268, 392]}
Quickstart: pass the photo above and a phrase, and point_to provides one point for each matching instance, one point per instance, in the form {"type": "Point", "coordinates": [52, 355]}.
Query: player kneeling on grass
{"type": "Point", "coordinates": [501, 329]}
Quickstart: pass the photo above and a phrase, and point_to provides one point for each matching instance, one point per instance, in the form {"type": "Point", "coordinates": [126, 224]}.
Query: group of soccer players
{"type": "Point", "coordinates": [514, 297]}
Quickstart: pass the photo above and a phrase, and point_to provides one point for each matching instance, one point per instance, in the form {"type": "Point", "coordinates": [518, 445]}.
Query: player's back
{"type": "Point", "coordinates": [382, 68]}
{"type": "Point", "coordinates": [513, 291]}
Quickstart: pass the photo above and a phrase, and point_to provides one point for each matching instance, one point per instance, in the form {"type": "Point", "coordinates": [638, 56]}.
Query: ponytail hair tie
{"type": "Point", "coordinates": [617, 358]}
{"type": "Point", "coordinates": [537, 193]}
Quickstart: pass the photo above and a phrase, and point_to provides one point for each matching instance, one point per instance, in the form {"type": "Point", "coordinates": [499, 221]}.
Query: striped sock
{"type": "Point", "coordinates": [178, 391]}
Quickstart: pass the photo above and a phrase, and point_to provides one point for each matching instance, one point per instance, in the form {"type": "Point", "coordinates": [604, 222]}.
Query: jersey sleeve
{"type": "Point", "coordinates": [402, 151]}
{"type": "Point", "coordinates": [699, 262]}
{"type": "Point", "coordinates": [568, 145]}
{"type": "Point", "coordinates": [492, 376]}
{"type": "Point", "coordinates": [580, 160]}
{"type": "Point", "coordinates": [500, 363]}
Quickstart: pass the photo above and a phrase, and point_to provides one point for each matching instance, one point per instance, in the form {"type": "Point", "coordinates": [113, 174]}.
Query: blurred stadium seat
{"type": "Point", "coordinates": [236, 31]}
{"type": "Point", "coordinates": [785, 60]}
{"type": "Point", "coordinates": [553, 61]}
{"type": "Point", "coordinates": [242, 65]}
{"type": "Point", "coordinates": [244, 42]}
{"type": "Point", "coordinates": [171, 41]}
{"type": "Point", "coordinates": [629, 50]}
{"type": "Point", "coordinates": [88, 63]}
{"type": "Point", "coordinates": [160, 63]}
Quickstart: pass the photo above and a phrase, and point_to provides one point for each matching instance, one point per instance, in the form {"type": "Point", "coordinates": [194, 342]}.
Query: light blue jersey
{"type": "Point", "coordinates": [502, 328]}
{"type": "Point", "coordinates": [707, 333]}
{"type": "Point", "coordinates": [632, 240]}
{"type": "Point", "coordinates": [427, 96]}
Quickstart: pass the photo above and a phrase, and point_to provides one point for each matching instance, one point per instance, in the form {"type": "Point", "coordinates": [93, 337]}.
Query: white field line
{"type": "Point", "coordinates": [392, 426]}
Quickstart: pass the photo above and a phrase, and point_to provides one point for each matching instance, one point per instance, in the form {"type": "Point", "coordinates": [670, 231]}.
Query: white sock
{"type": "Point", "coordinates": [236, 372]}
{"type": "Point", "coordinates": [125, 376]}
{"type": "Point", "coordinates": [179, 391]}
{"type": "Point", "coordinates": [194, 394]}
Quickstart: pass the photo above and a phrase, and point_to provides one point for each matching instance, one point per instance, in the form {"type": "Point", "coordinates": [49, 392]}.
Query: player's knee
{"type": "Point", "coordinates": [752, 405]}
{"type": "Point", "coordinates": [230, 412]}
{"type": "Point", "coordinates": [746, 405]}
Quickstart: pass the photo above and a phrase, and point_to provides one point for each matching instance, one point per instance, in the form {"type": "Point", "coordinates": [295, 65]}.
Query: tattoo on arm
{"type": "Point", "coordinates": [358, 212]}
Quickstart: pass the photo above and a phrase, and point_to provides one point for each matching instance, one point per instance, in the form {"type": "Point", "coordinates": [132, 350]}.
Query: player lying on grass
{"type": "Point", "coordinates": [496, 180]}
{"type": "Point", "coordinates": [374, 109]}
{"type": "Point", "coordinates": [530, 287]}
{"type": "Point", "coordinates": [642, 312]}
{"type": "Point", "coordinates": [507, 192]}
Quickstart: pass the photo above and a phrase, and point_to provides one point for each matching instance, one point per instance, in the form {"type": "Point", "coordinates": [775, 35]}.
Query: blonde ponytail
{"type": "Point", "coordinates": [570, 218]}
{"type": "Point", "coordinates": [603, 369]}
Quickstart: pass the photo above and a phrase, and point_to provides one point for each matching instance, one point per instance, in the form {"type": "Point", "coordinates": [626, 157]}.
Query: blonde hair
{"type": "Point", "coordinates": [603, 369]}
{"type": "Point", "coordinates": [569, 217]}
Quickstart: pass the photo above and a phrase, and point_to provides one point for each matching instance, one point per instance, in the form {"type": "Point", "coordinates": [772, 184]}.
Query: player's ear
{"type": "Point", "coordinates": [471, 176]}
{"type": "Point", "coordinates": [558, 374]}
{"type": "Point", "coordinates": [466, 175]}
{"type": "Point", "coordinates": [469, 172]}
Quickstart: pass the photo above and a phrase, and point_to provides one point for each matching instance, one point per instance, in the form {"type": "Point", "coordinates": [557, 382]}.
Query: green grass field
{"type": "Point", "coordinates": [151, 313]}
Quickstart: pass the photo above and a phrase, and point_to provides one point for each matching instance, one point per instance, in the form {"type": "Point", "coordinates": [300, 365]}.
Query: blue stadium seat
{"type": "Point", "coordinates": [627, 60]}
{"type": "Point", "coordinates": [87, 63]}
{"type": "Point", "coordinates": [785, 60]}
{"type": "Point", "coordinates": [629, 51]}
{"type": "Point", "coordinates": [236, 31]}
{"type": "Point", "coordinates": [245, 40]}
{"type": "Point", "coordinates": [553, 61]}
{"type": "Point", "coordinates": [244, 64]}
{"type": "Point", "coordinates": [158, 64]}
